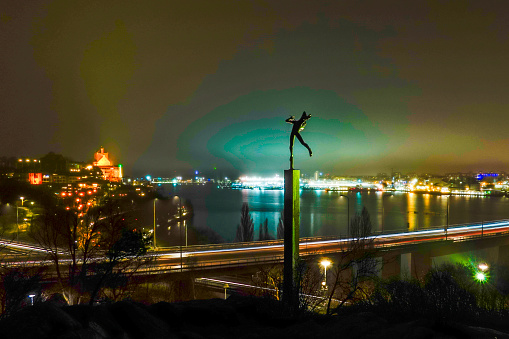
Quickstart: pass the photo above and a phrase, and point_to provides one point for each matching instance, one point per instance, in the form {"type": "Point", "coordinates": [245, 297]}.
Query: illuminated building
{"type": "Point", "coordinates": [109, 172]}
{"type": "Point", "coordinates": [35, 178]}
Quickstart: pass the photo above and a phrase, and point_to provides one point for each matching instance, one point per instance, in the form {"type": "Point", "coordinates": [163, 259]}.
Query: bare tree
{"type": "Point", "coordinates": [355, 266]}
{"type": "Point", "coordinates": [51, 231]}
{"type": "Point", "coordinates": [83, 235]}
{"type": "Point", "coordinates": [269, 280]}
{"type": "Point", "coordinates": [125, 256]}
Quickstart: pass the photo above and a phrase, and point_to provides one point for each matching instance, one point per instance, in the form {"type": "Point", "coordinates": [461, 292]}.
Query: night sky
{"type": "Point", "coordinates": [169, 87]}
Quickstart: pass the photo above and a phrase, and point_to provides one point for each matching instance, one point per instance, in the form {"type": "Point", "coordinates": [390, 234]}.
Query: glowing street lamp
{"type": "Point", "coordinates": [325, 263]}
{"type": "Point", "coordinates": [226, 286]}
{"type": "Point", "coordinates": [482, 275]}
{"type": "Point", "coordinates": [31, 296]}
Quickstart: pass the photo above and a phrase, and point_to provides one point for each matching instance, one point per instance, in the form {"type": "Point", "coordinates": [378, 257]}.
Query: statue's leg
{"type": "Point", "coordinates": [304, 144]}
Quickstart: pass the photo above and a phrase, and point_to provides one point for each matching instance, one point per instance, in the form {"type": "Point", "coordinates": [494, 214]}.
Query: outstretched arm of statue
{"type": "Point", "coordinates": [291, 119]}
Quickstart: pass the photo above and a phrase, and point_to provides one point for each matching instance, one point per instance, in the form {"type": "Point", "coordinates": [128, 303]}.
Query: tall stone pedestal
{"type": "Point", "coordinates": [291, 238]}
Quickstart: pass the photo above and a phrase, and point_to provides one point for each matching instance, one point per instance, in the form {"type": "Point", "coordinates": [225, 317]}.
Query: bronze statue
{"type": "Point", "coordinates": [298, 126]}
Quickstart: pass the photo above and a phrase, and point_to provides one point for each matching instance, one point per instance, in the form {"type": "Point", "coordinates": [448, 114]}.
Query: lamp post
{"type": "Point", "coordinates": [31, 296]}
{"type": "Point", "coordinates": [482, 275]}
{"type": "Point", "coordinates": [155, 244]}
{"type": "Point", "coordinates": [325, 263]}
{"type": "Point", "coordinates": [447, 222]}
{"type": "Point", "coordinates": [226, 286]}
{"type": "Point", "coordinates": [17, 217]}
{"type": "Point", "coordinates": [347, 214]}
{"type": "Point", "coordinates": [180, 230]}
{"type": "Point", "coordinates": [17, 222]}
{"type": "Point", "coordinates": [383, 209]}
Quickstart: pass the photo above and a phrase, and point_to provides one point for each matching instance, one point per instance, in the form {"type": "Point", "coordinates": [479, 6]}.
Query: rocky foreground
{"type": "Point", "coordinates": [236, 317]}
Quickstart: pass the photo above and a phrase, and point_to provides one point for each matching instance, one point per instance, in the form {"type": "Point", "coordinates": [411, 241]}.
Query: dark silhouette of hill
{"type": "Point", "coordinates": [236, 317]}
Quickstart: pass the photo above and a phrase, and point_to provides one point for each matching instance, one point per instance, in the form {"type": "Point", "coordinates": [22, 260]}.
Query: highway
{"type": "Point", "coordinates": [224, 256]}
{"type": "Point", "coordinates": [215, 256]}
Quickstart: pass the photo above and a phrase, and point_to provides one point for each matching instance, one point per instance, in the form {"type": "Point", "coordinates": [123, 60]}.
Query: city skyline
{"type": "Point", "coordinates": [196, 86]}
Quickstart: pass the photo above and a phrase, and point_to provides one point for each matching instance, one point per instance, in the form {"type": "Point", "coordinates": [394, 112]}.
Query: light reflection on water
{"type": "Point", "coordinates": [217, 211]}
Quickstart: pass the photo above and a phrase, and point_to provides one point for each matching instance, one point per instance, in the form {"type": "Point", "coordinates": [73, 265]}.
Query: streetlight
{"type": "Point", "coordinates": [383, 209]}
{"type": "Point", "coordinates": [447, 224]}
{"type": "Point", "coordinates": [31, 296]}
{"type": "Point", "coordinates": [347, 215]}
{"type": "Point", "coordinates": [17, 217]}
{"type": "Point", "coordinates": [226, 286]}
{"type": "Point", "coordinates": [180, 230]}
{"type": "Point", "coordinates": [325, 263]}
{"type": "Point", "coordinates": [155, 246]}
{"type": "Point", "coordinates": [482, 275]}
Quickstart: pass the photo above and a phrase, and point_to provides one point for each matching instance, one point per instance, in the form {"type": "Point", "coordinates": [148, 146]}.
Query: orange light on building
{"type": "Point", "coordinates": [63, 194]}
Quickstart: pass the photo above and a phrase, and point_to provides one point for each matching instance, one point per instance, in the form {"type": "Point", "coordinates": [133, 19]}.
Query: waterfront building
{"type": "Point", "coordinates": [109, 171]}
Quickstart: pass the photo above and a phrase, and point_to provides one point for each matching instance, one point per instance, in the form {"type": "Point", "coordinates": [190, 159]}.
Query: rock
{"type": "Point", "coordinates": [168, 313]}
{"type": "Point", "coordinates": [82, 333]}
{"type": "Point", "coordinates": [57, 299]}
{"type": "Point", "coordinates": [104, 323]}
{"type": "Point", "coordinates": [137, 322]}
{"type": "Point", "coordinates": [358, 325]}
{"type": "Point", "coordinates": [43, 320]}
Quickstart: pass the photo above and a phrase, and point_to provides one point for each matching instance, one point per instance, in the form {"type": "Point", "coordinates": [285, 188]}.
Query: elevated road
{"type": "Point", "coordinates": [226, 257]}
{"type": "Point", "coordinates": [229, 256]}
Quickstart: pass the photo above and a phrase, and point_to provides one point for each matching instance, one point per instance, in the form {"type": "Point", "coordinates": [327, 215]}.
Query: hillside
{"type": "Point", "coordinates": [236, 317]}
